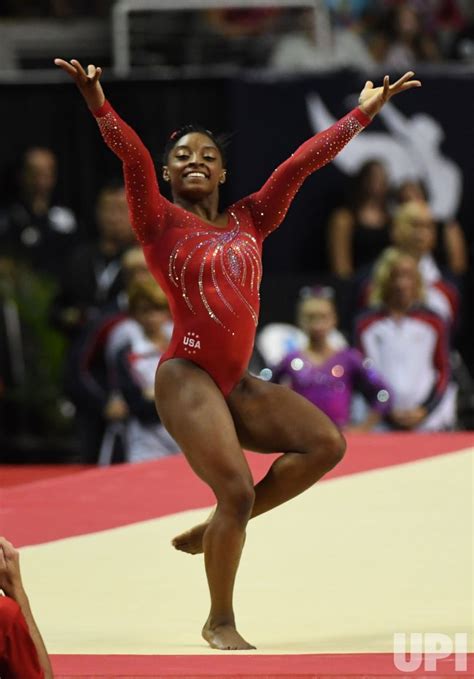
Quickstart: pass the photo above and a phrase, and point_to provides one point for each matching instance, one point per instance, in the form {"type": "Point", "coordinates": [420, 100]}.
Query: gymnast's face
{"type": "Point", "coordinates": [194, 167]}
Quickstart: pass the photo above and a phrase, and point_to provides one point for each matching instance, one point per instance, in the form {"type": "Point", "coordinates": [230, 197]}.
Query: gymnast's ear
{"type": "Point", "coordinates": [166, 174]}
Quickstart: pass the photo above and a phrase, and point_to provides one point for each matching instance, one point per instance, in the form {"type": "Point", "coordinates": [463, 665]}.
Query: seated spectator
{"type": "Point", "coordinates": [87, 384]}
{"type": "Point", "coordinates": [414, 231]}
{"type": "Point", "coordinates": [145, 436]}
{"type": "Point", "coordinates": [242, 22]}
{"type": "Point", "coordinates": [237, 36]}
{"type": "Point", "coordinates": [93, 277]}
{"type": "Point", "coordinates": [34, 228]}
{"type": "Point", "coordinates": [450, 250]}
{"type": "Point", "coordinates": [359, 232]}
{"type": "Point", "coordinates": [126, 331]}
{"type": "Point", "coordinates": [299, 50]}
{"type": "Point", "coordinates": [408, 344]}
{"type": "Point", "coordinates": [462, 42]}
{"type": "Point", "coordinates": [91, 381]}
{"type": "Point", "coordinates": [327, 376]}
{"type": "Point", "coordinates": [23, 654]}
{"type": "Point", "coordinates": [408, 41]}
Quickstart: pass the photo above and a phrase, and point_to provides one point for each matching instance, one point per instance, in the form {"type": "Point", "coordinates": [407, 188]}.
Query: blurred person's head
{"type": "Point", "coordinates": [370, 182]}
{"type": "Point", "coordinates": [396, 281]}
{"type": "Point", "coordinates": [134, 266]}
{"type": "Point", "coordinates": [414, 229]}
{"type": "Point", "coordinates": [148, 305]}
{"type": "Point", "coordinates": [405, 23]}
{"type": "Point", "coordinates": [112, 216]}
{"type": "Point", "coordinates": [316, 313]}
{"type": "Point", "coordinates": [38, 172]}
{"type": "Point", "coordinates": [411, 189]}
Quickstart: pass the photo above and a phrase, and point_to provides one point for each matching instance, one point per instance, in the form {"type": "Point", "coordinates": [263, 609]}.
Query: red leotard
{"type": "Point", "coordinates": [211, 275]}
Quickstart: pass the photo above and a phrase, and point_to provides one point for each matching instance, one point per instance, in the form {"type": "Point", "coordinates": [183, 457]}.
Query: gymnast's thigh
{"type": "Point", "coordinates": [195, 413]}
{"type": "Point", "coordinates": [271, 418]}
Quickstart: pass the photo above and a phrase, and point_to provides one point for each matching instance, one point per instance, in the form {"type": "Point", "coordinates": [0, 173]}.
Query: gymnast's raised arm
{"type": "Point", "coordinates": [144, 199]}
{"type": "Point", "coordinates": [270, 204]}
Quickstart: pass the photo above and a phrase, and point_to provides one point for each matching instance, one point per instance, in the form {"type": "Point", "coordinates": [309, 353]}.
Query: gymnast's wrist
{"type": "Point", "coordinates": [362, 116]}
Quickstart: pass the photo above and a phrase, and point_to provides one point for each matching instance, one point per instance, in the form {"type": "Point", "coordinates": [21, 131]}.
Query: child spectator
{"type": "Point", "coordinates": [327, 376]}
{"type": "Point", "coordinates": [145, 437]}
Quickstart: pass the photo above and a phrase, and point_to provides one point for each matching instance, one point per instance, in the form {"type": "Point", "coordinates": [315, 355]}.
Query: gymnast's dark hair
{"type": "Point", "coordinates": [220, 140]}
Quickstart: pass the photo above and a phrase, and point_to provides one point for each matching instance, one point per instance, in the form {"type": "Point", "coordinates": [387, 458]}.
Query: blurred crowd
{"type": "Point", "coordinates": [366, 34]}
{"type": "Point", "coordinates": [361, 34]}
{"type": "Point", "coordinates": [83, 324]}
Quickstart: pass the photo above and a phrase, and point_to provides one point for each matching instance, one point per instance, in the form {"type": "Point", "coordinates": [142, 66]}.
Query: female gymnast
{"type": "Point", "coordinates": [209, 264]}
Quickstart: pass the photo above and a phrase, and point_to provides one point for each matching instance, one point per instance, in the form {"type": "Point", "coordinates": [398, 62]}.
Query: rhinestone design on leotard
{"type": "Point", "coordinates": [235, 250]}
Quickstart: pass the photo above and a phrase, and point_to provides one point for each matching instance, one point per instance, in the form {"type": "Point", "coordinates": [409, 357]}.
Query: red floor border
{"type": "Point", "coordinates": [373, 665]}
{"type": "Point", "coordinates": [104, 498]}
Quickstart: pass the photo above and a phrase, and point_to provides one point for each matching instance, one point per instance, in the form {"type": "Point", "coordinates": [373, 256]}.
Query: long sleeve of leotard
{"type": "Point", "coordinates": [145, 202]}
{"type": "Point", "coordinates": [270, 204]}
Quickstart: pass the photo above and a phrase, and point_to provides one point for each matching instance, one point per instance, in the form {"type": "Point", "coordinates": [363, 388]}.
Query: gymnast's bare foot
{"type": "Point", "coordinates": [224, 638]}
{"type": "Point", "coordinates": [191, 540]}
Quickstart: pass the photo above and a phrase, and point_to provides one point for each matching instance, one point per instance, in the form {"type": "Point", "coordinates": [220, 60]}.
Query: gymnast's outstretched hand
{"type": "Point", "coordinates": [372, 98]}
{"type": "Point", "coordinates": [87, 82]}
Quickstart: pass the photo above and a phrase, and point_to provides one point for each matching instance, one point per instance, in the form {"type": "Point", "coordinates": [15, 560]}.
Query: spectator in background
{"type": "Point", "coordinates": [34, 228]}
{"type": "Point", "coordinates": [414, 232]}
{"type": "Point", "coordinates": [238, 36]}
{"type": "Point", "coordinates": [408, 41]}
{"type": "Point", "coordinates": [450, 249]}
{"type": "Point", "coordinates": [327, 376]}
{"type": "Point", "coordinates": [23, 654]}
{"type": "Point", "coordinates": [126, 331]}
{"type": "Point", "coordinates": [93, 278]}
{"type": "Point", "coordinates": [91, 379]}
{"type": "Point", "coordinates": [449, 20]}
{"type": "Point", "coordinates": [242, 22]}
{"type": "Point", "coordinates": [408, 344]}
{"type": "Point", "coordinates": [299, 50]}
{"type": "Point", "coordinates": [360, 231]}
{"type": "Point", "coordinates": [145, 436]}
{"type": "Point", "coordinates": [88, 386]}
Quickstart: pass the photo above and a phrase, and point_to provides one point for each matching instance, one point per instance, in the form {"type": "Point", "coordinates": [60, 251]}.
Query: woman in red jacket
{"type": "Point", "coordinates": [209, 264]}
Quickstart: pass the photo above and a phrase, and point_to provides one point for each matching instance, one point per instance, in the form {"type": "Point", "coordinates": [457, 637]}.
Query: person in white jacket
{"type": "Point", "coordinates": [145, 436]}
